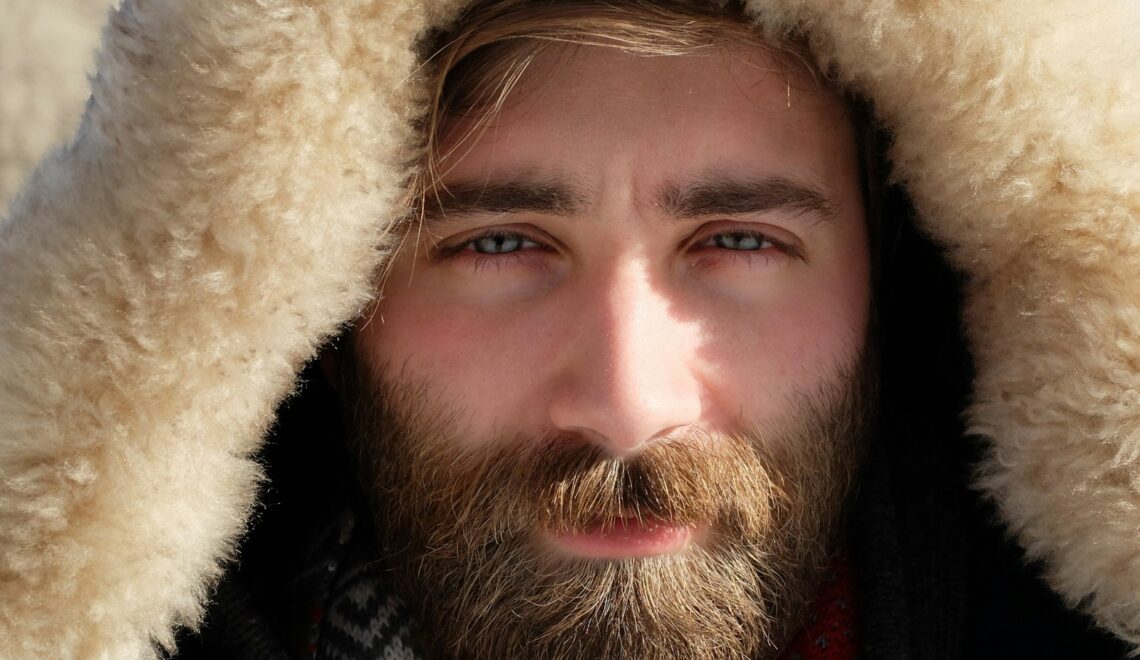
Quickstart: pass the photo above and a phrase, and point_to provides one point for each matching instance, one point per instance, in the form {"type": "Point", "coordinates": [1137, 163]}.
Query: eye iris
{"type": "Point", "coordinates": [497, 244]}
{"type": "Point", "coordinates": [739, 242]}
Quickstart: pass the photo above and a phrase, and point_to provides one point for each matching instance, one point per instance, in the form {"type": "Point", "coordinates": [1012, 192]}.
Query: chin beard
{"type": "Point", "coordinates": [464, 531]}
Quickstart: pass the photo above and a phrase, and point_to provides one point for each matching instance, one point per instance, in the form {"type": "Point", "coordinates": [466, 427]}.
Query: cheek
{"type": "Point", "coordinates": [479, 362]}
{"type": "Point", "coordinates": [763, 353]}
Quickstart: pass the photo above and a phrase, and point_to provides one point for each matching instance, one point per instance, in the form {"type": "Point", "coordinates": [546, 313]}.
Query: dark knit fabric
{"type": "Point", "coordinates": [362, 617]}
{"type": "Point", "coordinates": [365, 620]}
{"type": "Point", "coordinates": [831, 631]}
{"type": "Point", "coordinates": [910, 545]}
{"type": "Point", "coordinates": [236, 628]}
{"type": "Point", "coordinates": [880, 578]}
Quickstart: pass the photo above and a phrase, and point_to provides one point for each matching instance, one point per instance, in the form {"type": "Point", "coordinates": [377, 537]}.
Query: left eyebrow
{"type": "Point", "coordinates": [726, 195]}
{"type": "Point", "coordinates": [521, 195]}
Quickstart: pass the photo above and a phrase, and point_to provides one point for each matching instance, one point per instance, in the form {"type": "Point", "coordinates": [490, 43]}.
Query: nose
{"type": "Point", "coordinates": [626, 375]}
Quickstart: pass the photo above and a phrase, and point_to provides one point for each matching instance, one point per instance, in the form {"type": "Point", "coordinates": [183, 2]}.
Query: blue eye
{"type": "Point", "coordinates": [740, 240]}
{"type": "Point", "coordinates": [499, 243]}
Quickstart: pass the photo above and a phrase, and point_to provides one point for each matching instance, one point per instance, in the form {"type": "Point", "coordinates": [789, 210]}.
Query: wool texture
{"type": "Point", "coordinates": [225, 204]}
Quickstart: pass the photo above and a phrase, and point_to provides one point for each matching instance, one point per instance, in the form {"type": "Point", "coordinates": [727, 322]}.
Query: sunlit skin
{"type": "Point", "coordinates": [632, 309]}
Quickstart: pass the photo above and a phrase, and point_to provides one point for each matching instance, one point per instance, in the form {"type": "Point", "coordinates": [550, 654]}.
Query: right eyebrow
{"type": "Point", "coordinates": [502, 197]}
{"type": "Point", "coordinates": [730, 195]}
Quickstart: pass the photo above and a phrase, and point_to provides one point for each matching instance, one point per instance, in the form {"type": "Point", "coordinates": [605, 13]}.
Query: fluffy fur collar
{"type": "Point", "coordinates": [220, 211]}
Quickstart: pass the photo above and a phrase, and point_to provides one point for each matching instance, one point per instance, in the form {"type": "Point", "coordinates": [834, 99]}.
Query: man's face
{"type": "Point", "coordinates": [614, 390]}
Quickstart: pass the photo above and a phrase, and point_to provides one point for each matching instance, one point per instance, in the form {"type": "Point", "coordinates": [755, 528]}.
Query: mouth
{"type": "Point", "coordinates": [626, 538]}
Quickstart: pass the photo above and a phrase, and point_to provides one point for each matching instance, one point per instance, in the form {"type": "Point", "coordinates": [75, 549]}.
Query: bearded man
{"type": "Point", "coordinates": [648, 360]}
{"type": "Point", "coordinates": [614, 392]}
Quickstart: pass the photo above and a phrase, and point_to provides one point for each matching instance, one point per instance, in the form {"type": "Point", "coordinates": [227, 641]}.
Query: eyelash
{"type": "Point", "coordinates": [481, 260]}
{"type": "Point", "coordinates": [773, 244]}
{"type": "Point", "coordinates": [449, 252]}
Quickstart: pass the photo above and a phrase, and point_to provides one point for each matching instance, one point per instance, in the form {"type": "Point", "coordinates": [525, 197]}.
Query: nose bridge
{"type": "Point", "coordinates": [630, 378]}
{"type": "Point", "coordinates": [639, 333]}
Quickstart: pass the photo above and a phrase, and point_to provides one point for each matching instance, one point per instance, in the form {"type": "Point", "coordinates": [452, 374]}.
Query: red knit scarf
{"type": "Point", "coordinates": [831, 631]}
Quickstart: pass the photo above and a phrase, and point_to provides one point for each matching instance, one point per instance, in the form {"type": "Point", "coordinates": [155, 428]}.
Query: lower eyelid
{"type": "Point", "coordinates": [716, 259]}
{"type": "Point", "coordinates": [520, 262]}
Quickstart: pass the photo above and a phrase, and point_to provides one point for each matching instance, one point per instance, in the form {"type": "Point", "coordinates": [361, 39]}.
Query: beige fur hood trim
{"type": "Point", "coordinates": [225, 201]}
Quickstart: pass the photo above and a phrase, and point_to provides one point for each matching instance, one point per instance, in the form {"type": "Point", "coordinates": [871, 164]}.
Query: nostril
{"type": "Point", "coordinates": [626, 376]}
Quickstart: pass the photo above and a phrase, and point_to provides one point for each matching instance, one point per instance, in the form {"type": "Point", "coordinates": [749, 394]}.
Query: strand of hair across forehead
{"type": "Point", "coordinates": [510, 34]}
{"type": "Point", "coordinates": [638, 27]}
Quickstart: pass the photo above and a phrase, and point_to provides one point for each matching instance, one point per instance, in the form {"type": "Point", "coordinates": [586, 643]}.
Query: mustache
{"type": "Point", "coordinates": [575, 485]}
{"type": "Point", "coordinates": [564, 483]}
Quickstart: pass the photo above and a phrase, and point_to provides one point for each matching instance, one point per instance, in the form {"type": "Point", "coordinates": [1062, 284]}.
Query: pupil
{"type": "Point", "coordinates": [740, 242]}
{"type": "Point", "coordinates": [497, 244]}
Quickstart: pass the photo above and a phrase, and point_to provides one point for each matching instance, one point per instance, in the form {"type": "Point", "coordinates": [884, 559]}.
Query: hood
{"type": "Point", "coordinates": [225, 202]}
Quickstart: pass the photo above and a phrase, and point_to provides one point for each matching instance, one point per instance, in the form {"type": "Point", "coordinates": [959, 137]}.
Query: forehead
{"type": "Point", "coordinates": [586, 113]}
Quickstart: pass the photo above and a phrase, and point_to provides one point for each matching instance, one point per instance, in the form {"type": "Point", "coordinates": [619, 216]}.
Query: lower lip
{"type": "Point", "coordinates": [626, 539]}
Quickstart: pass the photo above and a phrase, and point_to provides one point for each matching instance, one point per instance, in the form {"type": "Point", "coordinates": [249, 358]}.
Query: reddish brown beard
{"type": "Point", "coordinates": [462, 529]}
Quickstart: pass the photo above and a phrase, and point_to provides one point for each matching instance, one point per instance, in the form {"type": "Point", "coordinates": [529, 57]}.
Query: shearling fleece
{"type": "Point", "coordinates": [225, 204]}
